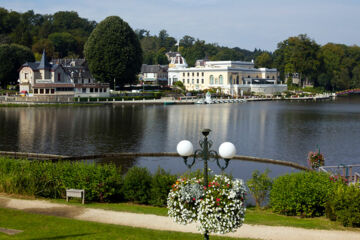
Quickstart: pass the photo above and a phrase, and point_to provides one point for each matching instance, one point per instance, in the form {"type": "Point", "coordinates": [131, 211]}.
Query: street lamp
{"type": "Point", "coordinates": [185, 149]}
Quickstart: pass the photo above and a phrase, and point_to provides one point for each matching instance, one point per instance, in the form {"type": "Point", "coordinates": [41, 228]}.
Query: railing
{"type": "Point", "coordinates": [132, 154]}
{"type": "Point", "coordinates": [346, 171]}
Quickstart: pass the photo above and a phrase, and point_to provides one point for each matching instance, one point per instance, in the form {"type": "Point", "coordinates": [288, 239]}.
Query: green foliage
{"type": "Point", "coordinates": [160, 187]}
{"type": "Point", "coordinates": [264, 60]}
{"type": "Point", "coordinates": [259, 186]}
{"type": "Point", "coordinates": [64, 44]}
{"type": "Point", "coordinates": [50, 180]}
{"type": "Point", "coordinates": [302, 194]}
{"type": "Point", "coordinates": [137, 183]}
{"type": "Point", "coordinates": [113, 52]}
{"type": "Point", "coordinates": [12, 57]}
{"type": "Point", "coordinates": [344, 205]}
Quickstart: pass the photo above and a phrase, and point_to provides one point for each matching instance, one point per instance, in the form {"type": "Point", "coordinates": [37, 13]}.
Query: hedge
{"type": "Point", "coordinates": [103, 183]}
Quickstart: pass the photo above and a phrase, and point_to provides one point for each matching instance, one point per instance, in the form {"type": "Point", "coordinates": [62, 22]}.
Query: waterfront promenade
{"type": "Point", "coordinates": [161, 101]}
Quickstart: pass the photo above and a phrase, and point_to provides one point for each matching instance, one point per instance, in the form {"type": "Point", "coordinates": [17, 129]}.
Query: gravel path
{"type": "Point", "coordinates": [165, 223]}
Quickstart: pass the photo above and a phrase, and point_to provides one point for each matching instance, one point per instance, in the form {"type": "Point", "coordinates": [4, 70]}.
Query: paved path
{"type": "Point", "coordinates": [165, 223]}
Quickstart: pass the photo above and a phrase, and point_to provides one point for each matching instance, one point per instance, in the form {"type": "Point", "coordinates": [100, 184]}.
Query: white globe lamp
{"type": "Point", "coordinates": [185, 148]}
{"type": "Point", "coordinates": [227, 150]}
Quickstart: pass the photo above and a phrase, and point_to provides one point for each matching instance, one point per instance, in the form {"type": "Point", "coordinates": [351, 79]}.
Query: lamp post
{"type": "Point", "coordinates": [185, 149]}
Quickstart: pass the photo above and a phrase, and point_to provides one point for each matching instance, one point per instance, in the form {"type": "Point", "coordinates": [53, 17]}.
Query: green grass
{"type": "Point", "coordinates": [253, 216]}
{"type": "Point", "coordinates": [39, 227]}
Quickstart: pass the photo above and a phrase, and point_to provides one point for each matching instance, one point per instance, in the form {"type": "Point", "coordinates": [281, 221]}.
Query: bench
{"type": "Point", "coordinates": [78, 193]}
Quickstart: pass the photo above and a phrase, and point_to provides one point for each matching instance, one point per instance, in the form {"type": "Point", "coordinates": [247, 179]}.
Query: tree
{"type": "Point", "coordinates": [42, 44]}
{"type": "Point", "coordinates": [11, 58]}
{"type": "Point", "coordinates": [64, 43]}
{"type": "Point", "coordinates": [300, 53]}
{"type": "Point", "coordinates": [264, 60]}
{"type": "Point", "coordinates": [113, 51]}
{"type": "Point", "coordinates": [259, 186]}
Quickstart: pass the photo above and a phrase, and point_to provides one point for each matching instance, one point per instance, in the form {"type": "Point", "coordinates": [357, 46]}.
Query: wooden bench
{"type": "Point", "coordinates": [78, 193]}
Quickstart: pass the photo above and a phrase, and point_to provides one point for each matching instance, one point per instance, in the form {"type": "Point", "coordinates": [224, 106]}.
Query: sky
{"type": "Point", "coordinates": [234, 23]}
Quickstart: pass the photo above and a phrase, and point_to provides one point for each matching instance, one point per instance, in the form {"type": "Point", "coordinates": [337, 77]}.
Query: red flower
{"type": "Point", "coordinates": [194, 199]}
{"type": "Point", "coordinates": [218, 199]}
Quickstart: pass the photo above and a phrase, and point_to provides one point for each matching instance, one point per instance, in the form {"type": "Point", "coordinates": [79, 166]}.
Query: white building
{"type": "Point", "coordinates": [177, 63]}
{"type": "Point", "coordinates": [230, 77]}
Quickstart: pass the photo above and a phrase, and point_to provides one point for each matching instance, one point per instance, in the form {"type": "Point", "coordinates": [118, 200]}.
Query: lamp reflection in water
{"type": "Point", "coordinates": [185, 149]}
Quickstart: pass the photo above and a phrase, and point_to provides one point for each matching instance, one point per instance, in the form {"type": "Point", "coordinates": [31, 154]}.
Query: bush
{"type": "Point", "coordinates": [50, 180]}
{"type": "Point", "coordinates": [259, 186]}
{"type": "Point", "coordinates": [303, 194]}
{"type": "Point", "coordinates": [160, 187]}
{"type": "Point", "coordinates": [137, 183]}
{"type": "Point", "coordinates": [344, 205]}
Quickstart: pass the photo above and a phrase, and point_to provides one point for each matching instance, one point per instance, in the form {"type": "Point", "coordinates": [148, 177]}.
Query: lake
{"type": "Point", "coordinates": [280, 130]}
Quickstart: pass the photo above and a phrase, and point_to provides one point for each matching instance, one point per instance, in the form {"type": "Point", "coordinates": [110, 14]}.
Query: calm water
{"type": "Point", "coordinates": [277, 130]}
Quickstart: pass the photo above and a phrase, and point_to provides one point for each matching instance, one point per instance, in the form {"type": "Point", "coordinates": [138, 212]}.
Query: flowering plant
{"type": "Point", "coordinates": [315, 160]}
{"type": "Point", "coordinates": [218, 207]}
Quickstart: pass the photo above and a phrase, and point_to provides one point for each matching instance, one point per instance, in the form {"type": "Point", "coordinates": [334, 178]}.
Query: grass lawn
{"type": "Point", "coordinates": [253, 216]}
{"type": "Point", "coordinates": [47, 227]}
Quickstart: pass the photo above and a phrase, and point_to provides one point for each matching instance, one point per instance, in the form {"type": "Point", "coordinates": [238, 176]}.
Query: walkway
{"type": "Point", "coordinates": [165, 223]}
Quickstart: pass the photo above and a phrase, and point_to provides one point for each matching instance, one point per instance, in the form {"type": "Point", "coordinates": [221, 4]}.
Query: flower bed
{"type": "Point", "coordinates": [217, 208]}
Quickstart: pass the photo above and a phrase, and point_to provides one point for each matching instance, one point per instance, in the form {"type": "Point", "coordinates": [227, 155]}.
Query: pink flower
{"type": "Point", "coordinates": [218, 199]}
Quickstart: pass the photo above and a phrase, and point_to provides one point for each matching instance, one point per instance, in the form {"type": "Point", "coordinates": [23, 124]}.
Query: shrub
{"type": "Point", "coordinates": [259, 186]}
{"type": "Point", "coordinates": [50, 180]}
{"type": "Point", "coordinates": [137, 183]}
{"type": "Point", "coordinates": [160, 187]}
{"type": "Point", "coordinates": [302, 194]}
{"type": "Point", "coordinates": [344, 205]}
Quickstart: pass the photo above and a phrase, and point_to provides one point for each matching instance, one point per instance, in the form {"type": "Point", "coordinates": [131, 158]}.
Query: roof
{"type": "Point", "coordinates": [153, 68]}
{"type": "Point", "coordinates": [44, 63]}
{"type": "Point", "coordinates": [54, 85]}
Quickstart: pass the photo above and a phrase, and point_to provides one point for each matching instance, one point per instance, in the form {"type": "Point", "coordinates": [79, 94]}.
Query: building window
{"type": "Point", "coordinates": [183, 74]}
{"type": "Point", "coordinates": [26, 74]}
{"type": "Point", "coordinates": [47, 91]}
{"type": "Point", "coordinates": [188, 81]}
{"type": "Point", "coordinates": [273, 77]}
{"type": "Point", "coordinates": [202, 74]}
{"type": "Point", "coordinates": [267, 77]}
{"type": "Point", "coordinates": [192, 81]}
{"type": "Point", "coordinates": [220, 79]}
{"type": "Point", "coordinates": [59, 77]}
{"type": "Point", "coordinates": [237, 79]}
{"type": "Point", "coordinates": [41, 91]}
{"type": "Point", "coordinates": [91, 90]}
{"type": "Point", "coordinates": [230, 80]}
{"type": "Point", "coordinates": [249, 76]}
{"type": "Point", "coordinates": [52, 91]}
{"type": "Point", "coordinates": [183, 80]}
{"type": "Point", "coordinates": [84, 90]}
{"type": "Point", "coordinates": [197, 81]}
{"type": "Point", "coordinates": [197, 74]}
{"type": "Point", "coordinates": [188, 74]}
{"type": "Point", "coordinates": [192, 74]}
{"type": "Point", "coordinates": [211, 79]}
{"type": "Point", "coordinates": [36, 91]}
{"type": "Point", "coordinates": [202, 81]}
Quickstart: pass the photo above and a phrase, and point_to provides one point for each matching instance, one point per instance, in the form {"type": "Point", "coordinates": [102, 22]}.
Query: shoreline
{"type": "Point", "coordinates": [166, 101]}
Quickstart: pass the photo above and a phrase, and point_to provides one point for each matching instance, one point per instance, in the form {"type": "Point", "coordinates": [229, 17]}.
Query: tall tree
{"type": "Point", "coordinates": [264, 60]}
{"type": "Point", "coordinates": [298, 54]}
{"type": "Point", "coordinates": [113, 51]}
{"type": "Point", "coordinates": [11, 58]}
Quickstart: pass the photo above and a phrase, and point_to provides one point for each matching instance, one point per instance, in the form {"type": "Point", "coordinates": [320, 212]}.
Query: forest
{"type": "Point", "coordinates": [63, 35]}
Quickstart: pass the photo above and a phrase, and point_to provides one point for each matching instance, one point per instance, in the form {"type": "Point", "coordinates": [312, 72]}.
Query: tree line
{"type": "Point", "coordinates": [64, 34]}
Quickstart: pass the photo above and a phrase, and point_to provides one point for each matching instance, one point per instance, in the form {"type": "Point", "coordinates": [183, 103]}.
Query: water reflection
{"type": "Point", "coordinates": [278, 130]}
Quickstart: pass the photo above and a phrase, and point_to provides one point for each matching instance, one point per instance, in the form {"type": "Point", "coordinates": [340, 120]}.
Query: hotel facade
{"type": "Point", "coordinates": [230, 77]}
